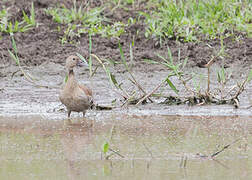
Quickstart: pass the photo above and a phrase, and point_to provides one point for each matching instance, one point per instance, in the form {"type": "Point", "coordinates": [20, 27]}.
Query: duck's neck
{"type": "Point", "coordinates": [71, 82]}
{"type": "Point", "coordinates": [70, 72]}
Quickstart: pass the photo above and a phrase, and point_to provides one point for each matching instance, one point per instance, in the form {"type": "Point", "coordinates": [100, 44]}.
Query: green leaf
{"type": "Point", "coordinates": [170, 66]}
{"type": "Point", "coordinates": [14, 57]}
{"type": "Point", "coordinates": [82, 58]}
{"type": "Point", "coordinates": [179, 54]}
{"type": "Point", "coordinates": [172, 85]}
{"type": "Point", "coordinates": [219, 77]}
{"type": "Point", "coordinates": [66, 78]}
{"type": "Point", "coordinates": [26, 18]}
{"type": "Point", "coordinates": [113, 79]}
{"type": "Point", "coordinates": [223, 78]}
{"type": "Point", "coordinates": [10, 28]}
{"type": "Point", "coordinates": [196, 84]}
{"type": "Point", "coordinates": [151, 61]}
{"type": "Point", "coordinates": [131, 54]}
{"type": "Point", "coordinates": [26, 28]}
{"type": "Point", "coordinates": [16, 26]}
{"type": "Point", "coordinates": [122, 56]}
{"type": "Point", "coordinates": [249, 76]}
{"type": "Point", "coordinates": [161, 57]}
{"type": "Point", "coordinates": [170, 54]}
{"type": "Point", "coordinates": [32, 18]}
{"type": "Point", "coordinates": [105, 147]}
{"type": "Point", "coordinates": [185, 62]}
{"type": "Point", "coordinates": [111, 62]}
{"type": "Point", "coordinates": [90, 57]}
{"type": "Point", "coordinates": [14, 46]}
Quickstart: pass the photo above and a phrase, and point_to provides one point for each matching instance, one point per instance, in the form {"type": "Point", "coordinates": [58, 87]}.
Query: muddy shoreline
{"type": "Point", "coordinates": [42, 55]}
{"type": "Point", "coordinates": [20, 97]}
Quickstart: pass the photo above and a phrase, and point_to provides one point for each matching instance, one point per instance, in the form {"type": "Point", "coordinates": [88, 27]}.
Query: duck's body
{"type": "Point", "coordinates": [74, 96]}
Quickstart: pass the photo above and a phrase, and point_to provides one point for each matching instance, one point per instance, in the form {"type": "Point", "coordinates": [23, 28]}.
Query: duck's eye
{"type": "Point", "coordinates": [74, 59]}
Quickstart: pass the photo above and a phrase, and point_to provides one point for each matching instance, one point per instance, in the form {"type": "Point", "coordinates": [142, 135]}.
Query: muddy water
{"type": "Point", "coordinates": [155, 140]}
{"type": "Point", "coordinates": [152, 146]}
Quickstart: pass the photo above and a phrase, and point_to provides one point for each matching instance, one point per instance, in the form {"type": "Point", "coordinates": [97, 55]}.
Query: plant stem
{"type": "Point", "coordinates": [153, 91]}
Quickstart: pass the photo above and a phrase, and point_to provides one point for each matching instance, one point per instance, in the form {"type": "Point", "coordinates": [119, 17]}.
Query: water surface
{"type": "Point", "coordinates": [153, 147]}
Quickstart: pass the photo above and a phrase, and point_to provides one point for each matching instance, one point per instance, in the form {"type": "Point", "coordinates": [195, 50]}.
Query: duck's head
{"type": "Point", "coordinates": [73, 61]}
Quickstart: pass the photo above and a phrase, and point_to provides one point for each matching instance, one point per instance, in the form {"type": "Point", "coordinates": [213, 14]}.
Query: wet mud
{"type": "Point", "coordinates": [42, 44]}
{"type": "Point", "coordinates": [20, 97]}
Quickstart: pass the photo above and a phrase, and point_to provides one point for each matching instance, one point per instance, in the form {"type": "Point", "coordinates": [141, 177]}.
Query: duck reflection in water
{"type": "Point", "coordinates": [76, 140]}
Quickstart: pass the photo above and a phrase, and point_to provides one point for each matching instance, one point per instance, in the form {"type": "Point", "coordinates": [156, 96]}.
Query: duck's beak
{"type": "Point", "coordinates": [81, 63]}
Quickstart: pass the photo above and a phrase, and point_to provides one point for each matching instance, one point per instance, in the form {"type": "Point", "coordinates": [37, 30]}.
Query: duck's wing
{"type": "Point", "coordinates": [86, 90]}
{"type": "Point", "coordinates": [83, 96]}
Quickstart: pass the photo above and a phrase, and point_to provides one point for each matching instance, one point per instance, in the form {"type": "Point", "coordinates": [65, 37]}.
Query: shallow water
{"type": "Point", "coordinates": [153, 147]}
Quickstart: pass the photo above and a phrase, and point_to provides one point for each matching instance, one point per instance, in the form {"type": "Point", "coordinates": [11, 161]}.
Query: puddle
{"type": "Point", "coordinates": [152, 146]}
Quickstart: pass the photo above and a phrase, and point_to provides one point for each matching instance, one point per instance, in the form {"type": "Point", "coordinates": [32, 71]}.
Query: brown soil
{"type": "Point", "coordinates": [42, 43]}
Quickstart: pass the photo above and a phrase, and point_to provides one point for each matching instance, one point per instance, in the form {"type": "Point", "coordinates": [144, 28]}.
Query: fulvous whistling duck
{"type": "Point", "coordinates": [74, 96]}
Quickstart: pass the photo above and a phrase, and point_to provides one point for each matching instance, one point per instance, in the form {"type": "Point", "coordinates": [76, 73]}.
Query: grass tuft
{"type": "Point", "coordinates": [9, 27]}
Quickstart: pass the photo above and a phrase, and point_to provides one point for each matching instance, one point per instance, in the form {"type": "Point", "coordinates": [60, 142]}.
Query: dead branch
{"type": "Point", "coordinates": [116, 152]}
{"type": "Point", "coordinates": [225, 147]}
{"type": "Point", "coordinates": [153, 91]}
{"type": "Point", "coordinates": [208, 66]}
{"type": "Point", "coordinates": [140, 88]}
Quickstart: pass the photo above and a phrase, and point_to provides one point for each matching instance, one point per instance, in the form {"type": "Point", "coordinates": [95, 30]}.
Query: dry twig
{"type": "Point", "coordinates": [225, 147]}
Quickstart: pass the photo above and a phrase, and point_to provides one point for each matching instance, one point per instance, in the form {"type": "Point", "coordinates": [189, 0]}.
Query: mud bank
{"type": "Point", "coordinates": [20, 97]}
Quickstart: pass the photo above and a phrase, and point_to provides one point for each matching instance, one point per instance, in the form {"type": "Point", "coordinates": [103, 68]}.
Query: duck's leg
{"type": "Point", "coordinates": [68, 121]}
{"type": "Point", "coordinates": [84, 112]}
{"type": "Point", "coordinates": [68, 113]}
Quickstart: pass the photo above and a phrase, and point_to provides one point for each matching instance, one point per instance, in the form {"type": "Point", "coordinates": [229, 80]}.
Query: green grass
{"type": "Point", "coordinates": [8, 26]}
{"type": "Point", "coordinates": [84, 20]}
{"type": "Point", "coordinates": [81, 15]}
{"type": "Point", "coordinates": [30, 20]}
{"type": "Point", "coordinates": [191, 20]}
{"type": "Point", "coordinates": [181, 20]}
{"type": "Point", "coordinates": [78, 20]}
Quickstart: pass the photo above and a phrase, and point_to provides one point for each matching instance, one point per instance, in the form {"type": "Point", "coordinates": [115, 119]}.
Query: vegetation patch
{"type": "Point", "coordinates": [192, 83]}
{"type": "Point", "coordinates": [195, 20]}
{"type": "Point", "coordinates": [8, 26]}
{"type": "Point", "coordinates": [84, 20]}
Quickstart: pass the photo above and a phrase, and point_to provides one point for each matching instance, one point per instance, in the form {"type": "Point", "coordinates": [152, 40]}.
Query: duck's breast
{"type": "Point", "coordinates": [76, 97]}
{"type": "Point", "coordinates": [81, 101]}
